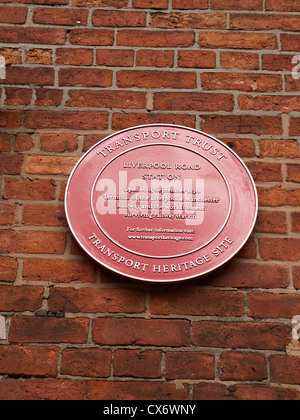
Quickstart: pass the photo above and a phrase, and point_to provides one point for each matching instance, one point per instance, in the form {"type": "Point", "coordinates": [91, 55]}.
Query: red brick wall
{"type": "Point", "coordinates": [80, 69]}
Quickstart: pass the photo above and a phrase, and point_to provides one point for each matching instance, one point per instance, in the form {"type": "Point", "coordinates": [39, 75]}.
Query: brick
{"type": "Point", "coordinates": [58, 270]}
{"type": "Point", "coordinates": [271, 222]}
{"type": "Point", "coordinates": [92, 139]}
{"type": "Point", "coordinates": [241, 124]}
{"type": "Point", "coordinates": [292, 84]}
{"type": "Point", "coordinates": [50, 165]}
{"type": "Point", "coordinates": [11, 164]}
{"type": "Point", "coordinates": [20, 35]}
{"type": "Point", "coordinates": [64, 17]}
{"type": "Point", "coordinates": [42, 389]}
{"type": "Point", "coordinates": [275, 62]}
{"type": "Point", "coordinates": [155, 58]}
{"type": "Point", "coordinates": [11, 55]}
{"type": "Point", "coordinates": [189, 365]}
{"type": "Point", "coordinates": [6, 142]}
{"type": "Point", "coordinates": [81, 120]}
{"type": "Point", "coordinates": [240, 40]}
{"type": "Point", "coordinates": [293, 172]}
{"type": "Point", "coordinates": [15, 15]}
{"type": "Point", "coordinates": [239, 60]}
{"type": "Point", "coordinates": [265, 21]}
{"type": "Point", "coordinates": [242, 392]}
{"type": "Point", "coordinates": [190, 4]}
{"type": "Point", "coordinates": [8, 214]}
{"type": "Point", "coordinates": [249, 250]}
{"type": "Point", "coordinates": [74, 56]}
{"type": "Point", "coordinates": [271, 305]}
{"type": "Point", "coordinates": [123, 120]}
{"type": "Point", "coordinates": [296, 276]}
{"type": "Point", "coordinates": [131, 331]}
{"type": "Point", "coordinates": [47, 2]}
{"type": "Point", "coordinates": [20, 298]}
{"type": "Point", "coordinates": [294, 126]}
{"type": "Point", "coordinates": [197, 302]}
{"type": "Point", "coordinates": [277, 197]}
{"type": "Point", "coordinates": [10, 119]}
{"type": "Point", "coordinates": [43, 215]}
{"type": "Point", "coordinates": [260, 336]}
{"type": "Point", "coordinates": [285, 104]}
{"type": "Point", "coordinates": [24, 142]}
{"type": "Point", "coordinates": [279, 249]}
{"type": "Point", "coordinates": [158, 39]}
{"type": "Point", "coordinates": [91, 37]}
{"type": "Point", "coordinates": [26, 189]}
{"type": "Point", "coordinates": [243, 147]}
{"type": "Point", "coordinates": [237, 5]}
{"type": "Point", "coordinates": [48, 330]}
{"type": "Point", "coordinates": [96, 300]}
{"type": "Point", "coordinates": [85, 77]}
{"type": "Point", "coordinates": [242, 367]}
{"type": "Point", "coordinates": [48, 97]}
{"type": "Point", "coordinates": [91, 362]}
{"type": "Point", "coordinates": [37, 242]}
{"type": "Point", "coordinates": [197, 59]}
{"type": "Point", "coordinates": [38, 56]}
{"type": "Point", "coordinates": [137, 363]}
{"type": "Point", "coordinates": [17, 96]}
{"type": "Point", "coordinates": [59, 142]}
{"type": "Point", "coordinates": [283, 5]}
{"type": "Point", "coordinates": [117, 18]}
{"type": "Point", "coordinates": [27, 75]}
{"type": "Point", "coordinates": [118, 4]}
{"type": "Point", "coordinates": [115, 58]}
{"type": "Point", "coordinates": [188, 20]}
{"type": "Point", "coordinates": [248, 82]}
{"type": "Point", "coordinates": [285, 369]}
{"type": "Point", "coordinates": [290, 42]}
{"type": "Point", "coordinates": [156, 79]}
{"type": "Point", "coordinates": [107, 99]}
{"type": "Point", "coordinates": [138, 390]}
{"type": "Point", "coordinates": [150, 4]}
{"type": "Point", "coordinates": [28, 361]}
{"type": "Point", "coordinates": [265, 171]}
{"type": "Point", "coordinates": [296, 222]}
{"type": "Point", "coordinates": [8, 269]}
{"type": "Point", "coordinates": [193, 101]}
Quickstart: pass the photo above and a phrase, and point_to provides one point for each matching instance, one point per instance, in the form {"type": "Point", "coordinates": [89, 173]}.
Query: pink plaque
{"type": "Point", "coordinates": [161, 203]}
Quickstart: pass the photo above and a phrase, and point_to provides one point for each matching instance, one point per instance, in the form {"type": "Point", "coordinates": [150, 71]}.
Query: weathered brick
{"type": "Point", "coordinates": [42, 389]}
{"type": "Point", "coordinates": [285, 369]}
{"type": "Point", "coordinates": [48, 330]}
{"type": "Point", "coordinates": [74, 56]}
{"type": "Point", "coordinates": [155, 58]}
{"type": "Point", "coordinates": [27, 35]}
{"type": "Point", "coordinates": [107, 99]}
{"type": "Point", "coordinates": [239, 40]}
{"type": "Point", "coordinates": [197, 59]}
{"type": "Point", "coordinates": [37, 242]}
{"type": "Point", "coordinates": [190, 4]}
{"type": "Point", "coordinates": [296, 222]}
{"type": "Point", "coordinates": [11, 164]}
{"type": "Point", "coordinates": [91, 37]}
{"type": "Point", "coordinates": [260, 336]}
{"type": "Point", "coordinates": [197, 302]}
{"type": "Point", "coordinates": [125, 390]}
{"type": "Point", "coordinates": [65, 17]}
{"type": "Point", "coordinates": [293, 172]}
{"type": "Point", "coordinates": [28, 361]}
{"type": "Point", "coordinates": [115, 58]}
{"type": "Point", "coordinates": [27, 189]}
{"type": "Point", "coordinates": [155, 332]}
{"type": "Point", "coordinates": [17, 96]}
{"type": "Point", "coordinates": [82, 120]}
{"type": "Point", "coordinates": [239, 60]}
{"type": "Point", "coordinates": [242, 392]}
{"type": "Point", "coordinates": [156, 79]}
{"type": "Point", "coordinates": [38, 56]}
{"type": "Point", "coordinates": [271, 222]}
{"type": "Point", "coordinates": [10, 119]}
{"type": "Point", "coordinates": [8, 269]}
{"type": "Point", "coordinates": [248, 82]}
{"type": "Point", "coordinates": [271, 305]}
{"type": "Point", "coordinates": [96, 300]}
{"type": "Point", "coordinates": [16, 15]}
{"type": "Point", "coordinates": [241, 124]}
{"type": "Point", "coordinates": [282, 103]}
{"type": "Point", "coordinates": [92, 362]}
{"type": "Point", "coordinates": [264, 21]}
{"type": "Point", "coordinates": [191, 101]}
{"type": "Point", "coordinates": [59, 142]}
{"type": "Point", "coordinates": [123, 120]}
{"type": "Point", "coordinates": [156, 39]}
{"type": "Point", "coordinates": [85, 77]}
{"type": "Point", "coordinates": [189, 20]}
{"type": "Point", "coordinates": [237, 4]}
{"type": "Point", "coordinates": [43, 215]}
{"type": "Point", "coordinates": [190, 365]}
{"type": "Point", "coordinates": [242, 367]}
{"type": "Point", "coordinates": [51, 165]}
{"type": "Point", "coordinates": [117, 18]}
{"type": "Point", "coordinates": [58, 270]}
{"type": "Point", "coordinates": [279, 249]}
{"type": "Point", "coordinates": [22, 298]}
{"type": "Point", "coordinates": [137, 363]}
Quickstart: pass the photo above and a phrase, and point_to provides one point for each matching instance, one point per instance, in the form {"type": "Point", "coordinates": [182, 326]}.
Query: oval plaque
{"type": "Point", "coordinates": [161, 203]}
